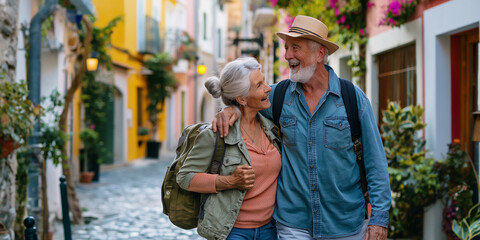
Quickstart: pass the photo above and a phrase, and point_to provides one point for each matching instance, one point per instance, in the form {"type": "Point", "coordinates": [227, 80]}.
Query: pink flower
{"type": "Point", "coordinates": [347, 26]}
{"type": "Point", "coordinates": [273, 2]}
{"type": "Point", "coordinates": [370, 4]}
{"type": "Point", "coordinates": [289, 20]}
{"type": "Point", "coordinates": [395, 8]}
{"type": "Point", "coordinates": [337, 12]}
{"type": "Point", "coordinates": [392, 22]}
{"type": "Point", "coordinates": [343, 18]}
{"type": "Point", "coordinates": [333, 3]}
{"type": "Point", "coordinates": [362, 32]}
{"type": "Point", "coordinates": [92, 126]}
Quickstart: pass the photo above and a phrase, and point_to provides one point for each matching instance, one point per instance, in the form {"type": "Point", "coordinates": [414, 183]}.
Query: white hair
{"type": "Point", "coordinates": [234, 80]}
{"type": "Point", "coordinates": [314, 46]}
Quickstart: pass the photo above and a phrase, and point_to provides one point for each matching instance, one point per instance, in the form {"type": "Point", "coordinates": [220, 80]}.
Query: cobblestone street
{"type": "Point", "coordinates": [126, 204]}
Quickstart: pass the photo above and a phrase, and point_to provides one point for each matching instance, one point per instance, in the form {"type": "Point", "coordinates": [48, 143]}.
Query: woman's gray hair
{"type": "Point", "coordinates": [314, 47]}
{"type": "Point", "coordinates": [234, 80]}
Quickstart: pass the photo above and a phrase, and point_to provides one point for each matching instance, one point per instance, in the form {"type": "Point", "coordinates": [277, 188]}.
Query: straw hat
{"type": "Point", "coordinates": [310, 28]}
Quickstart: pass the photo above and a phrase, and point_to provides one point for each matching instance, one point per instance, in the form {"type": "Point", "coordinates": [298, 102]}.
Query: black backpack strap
{"type": "Point", "coordinates": [350, 101]}
{"type": "Point", "coordinates": [278, 97]}
{"type": "Point", "coordinates": [214, 167]}
{"type": "Point", "coordinates": [218, 154]}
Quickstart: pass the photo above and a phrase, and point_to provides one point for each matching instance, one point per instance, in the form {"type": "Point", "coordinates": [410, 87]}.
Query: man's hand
{"type": "Point", "coordinates": [376, 233]}
{"type": "Point", "coordinates": [224, 119]}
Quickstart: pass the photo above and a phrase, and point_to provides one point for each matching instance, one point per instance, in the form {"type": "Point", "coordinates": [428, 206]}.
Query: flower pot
{"type": "Point", "coordinates": [8, 146]}
{"type": "Point", "coordinates": [153, 149]}
{"type": "Point", "coordinates": [92, 165]}
{"type": "Point", "coordinates": [86, 177]}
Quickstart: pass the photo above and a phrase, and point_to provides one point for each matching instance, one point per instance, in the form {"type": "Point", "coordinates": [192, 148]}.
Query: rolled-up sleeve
{"type": "Point", "coordinates": [198, 159]}
{"type": "Point", "coordinates": [376, 166]}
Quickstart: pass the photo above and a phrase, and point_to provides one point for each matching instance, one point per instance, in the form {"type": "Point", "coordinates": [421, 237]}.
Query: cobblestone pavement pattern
{"type": "Point", "coordinates": [126, 204]}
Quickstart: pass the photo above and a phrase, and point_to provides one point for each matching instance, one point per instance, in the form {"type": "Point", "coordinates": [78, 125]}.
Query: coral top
{"type": "Point", "coordinates": [258, 203]}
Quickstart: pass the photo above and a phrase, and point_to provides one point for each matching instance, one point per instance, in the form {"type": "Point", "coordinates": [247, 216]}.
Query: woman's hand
{"type": "Point", "coordinates": [242, 178]}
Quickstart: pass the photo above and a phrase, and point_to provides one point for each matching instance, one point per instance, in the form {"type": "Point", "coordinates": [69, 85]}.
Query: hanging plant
{"type": "Point", "coordinates": [160, 84]}
{"type": "Point", "coordinates": [398, 12]}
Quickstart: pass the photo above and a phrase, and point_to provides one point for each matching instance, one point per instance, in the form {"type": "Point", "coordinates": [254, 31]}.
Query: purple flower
{"type": "Point", "coordinates": [337, 12]}
{"type": "Point", "coordinates": [395, 8]}
{"type": "Point", "coordinates": [343, 18]}
{"type": "Point", "coordinates": [362, 32]}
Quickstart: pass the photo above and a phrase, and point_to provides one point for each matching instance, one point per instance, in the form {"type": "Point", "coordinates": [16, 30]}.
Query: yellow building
{"type": "Point", "coordinates": [135, 38]}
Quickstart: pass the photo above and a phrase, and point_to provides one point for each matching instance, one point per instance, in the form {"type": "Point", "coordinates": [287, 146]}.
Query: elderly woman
{"type": "Point", "coordinates": [241, 200]}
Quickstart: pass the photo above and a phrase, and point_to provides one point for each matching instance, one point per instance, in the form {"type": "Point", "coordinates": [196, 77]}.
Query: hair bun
{"type": "Point", "coordinates": [213, 86]}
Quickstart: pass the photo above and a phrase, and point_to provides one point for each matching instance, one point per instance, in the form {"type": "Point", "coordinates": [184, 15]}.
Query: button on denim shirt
{"type": "Point", "coordinates": [319, 184]}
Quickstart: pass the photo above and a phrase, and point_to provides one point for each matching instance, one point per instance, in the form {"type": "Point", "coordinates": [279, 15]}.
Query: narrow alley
{"type": "Point", "coordinates": [126, 204]}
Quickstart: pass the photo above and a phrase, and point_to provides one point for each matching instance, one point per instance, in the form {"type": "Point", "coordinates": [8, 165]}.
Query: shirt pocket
{"type": "Point", "coordinates": [337, 133]}
{"type": "Point", "coordinates": [289, 130]}
{"type": "Point", "coordinates": [230, 163]}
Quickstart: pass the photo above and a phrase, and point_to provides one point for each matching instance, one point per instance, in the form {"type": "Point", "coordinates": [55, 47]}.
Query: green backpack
{"type": "Point", "coordinates": [183, 207]}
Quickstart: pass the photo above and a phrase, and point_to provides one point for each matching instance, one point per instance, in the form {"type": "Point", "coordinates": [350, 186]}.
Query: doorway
{"type": "Point", "coordinates": [464, 87]}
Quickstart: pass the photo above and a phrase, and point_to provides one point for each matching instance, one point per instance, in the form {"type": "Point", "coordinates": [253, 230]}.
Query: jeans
{"type": "Point", "coordinates": [288, 233]}
{"type": "Point", "coordinates": [265, 232]}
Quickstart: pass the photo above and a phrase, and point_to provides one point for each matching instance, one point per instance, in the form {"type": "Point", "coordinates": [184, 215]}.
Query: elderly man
{"type": "Point", "coordinates": [319, 193]}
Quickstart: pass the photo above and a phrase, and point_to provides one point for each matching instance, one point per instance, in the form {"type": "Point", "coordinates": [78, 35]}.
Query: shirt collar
{"type": "Point", "coordinates": [333, 83]}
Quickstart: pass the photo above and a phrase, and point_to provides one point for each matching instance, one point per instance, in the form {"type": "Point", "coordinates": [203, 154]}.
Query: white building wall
{"type": "Point", "coordinates": [23, 18]}
{"type": "Point", "coordinates": [440, 23]}
{"type": "Point", "coordinates": [408, 33]}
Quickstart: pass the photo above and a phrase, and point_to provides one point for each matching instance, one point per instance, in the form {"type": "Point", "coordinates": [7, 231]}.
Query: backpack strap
{"type": "Point", "coordinates": [278, 97]}
{"type": "Point", "coordinates": [350, 101]}
{"type": "Point", "coordinates": [213, 168]}
{"type": "Point", "coordinates": [218, 155]}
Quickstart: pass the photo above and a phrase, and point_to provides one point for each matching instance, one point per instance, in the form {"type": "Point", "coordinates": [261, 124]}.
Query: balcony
{"type": "Point", "coordinates": [151, 42]}
{"type": "Point", "coordinates": [263, 15]}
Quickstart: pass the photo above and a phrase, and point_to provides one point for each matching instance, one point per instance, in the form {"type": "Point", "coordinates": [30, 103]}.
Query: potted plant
{"type": "Point", "coordinates": [142, 134]}
{"type": "Point", "coordinates": [460, 180]}
{"type": "Point", "coordinates": [91, 154]}
{"type": "Point", "coordinates": [17, 115]}
{"type": "Point", "coordinates": [160, 83]}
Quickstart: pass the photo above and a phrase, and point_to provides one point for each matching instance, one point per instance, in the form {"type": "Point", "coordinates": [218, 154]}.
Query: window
{"type": "Point", "coordinates": [204, 26]}
{"type": "Point", "coordinates": [182, 111]}
{"type": "Point", "coordinates": [219, 43]}
{"type": "Point", "coordinates": [397, 77]}
{"type": "Point", "coordinates": [141, 24]}
{"type": "Point", "coordinates": [157, 10]}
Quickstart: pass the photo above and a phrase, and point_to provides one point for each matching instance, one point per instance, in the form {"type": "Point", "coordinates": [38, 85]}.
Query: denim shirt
{"type": "Point", "coordinates": [319, 184]}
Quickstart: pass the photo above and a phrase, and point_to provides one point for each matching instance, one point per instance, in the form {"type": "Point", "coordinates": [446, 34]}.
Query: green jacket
{"type": "Point", "coordinates": [221, 209]}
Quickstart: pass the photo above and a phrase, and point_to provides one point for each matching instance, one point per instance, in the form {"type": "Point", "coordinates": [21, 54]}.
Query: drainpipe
{"type": "Point", "coordinates": [34, 52]}
{"type": "Point", "coordinates": [195, 77]}
{"type": "Point", "coordinates": [33, 77]}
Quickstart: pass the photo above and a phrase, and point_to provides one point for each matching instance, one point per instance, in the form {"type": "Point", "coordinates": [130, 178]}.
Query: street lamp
{"type": "Point", "coordinates": [201, 69]}
{"type": "Point", "coordinates": [92, 62]}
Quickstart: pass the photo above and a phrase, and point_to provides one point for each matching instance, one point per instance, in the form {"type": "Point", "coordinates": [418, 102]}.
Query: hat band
{"type": "Point", "coordinates": [302, 31]}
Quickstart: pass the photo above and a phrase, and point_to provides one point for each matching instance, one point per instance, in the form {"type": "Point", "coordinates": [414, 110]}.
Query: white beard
{"type": "Point", "coordinates": [303, 74]}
